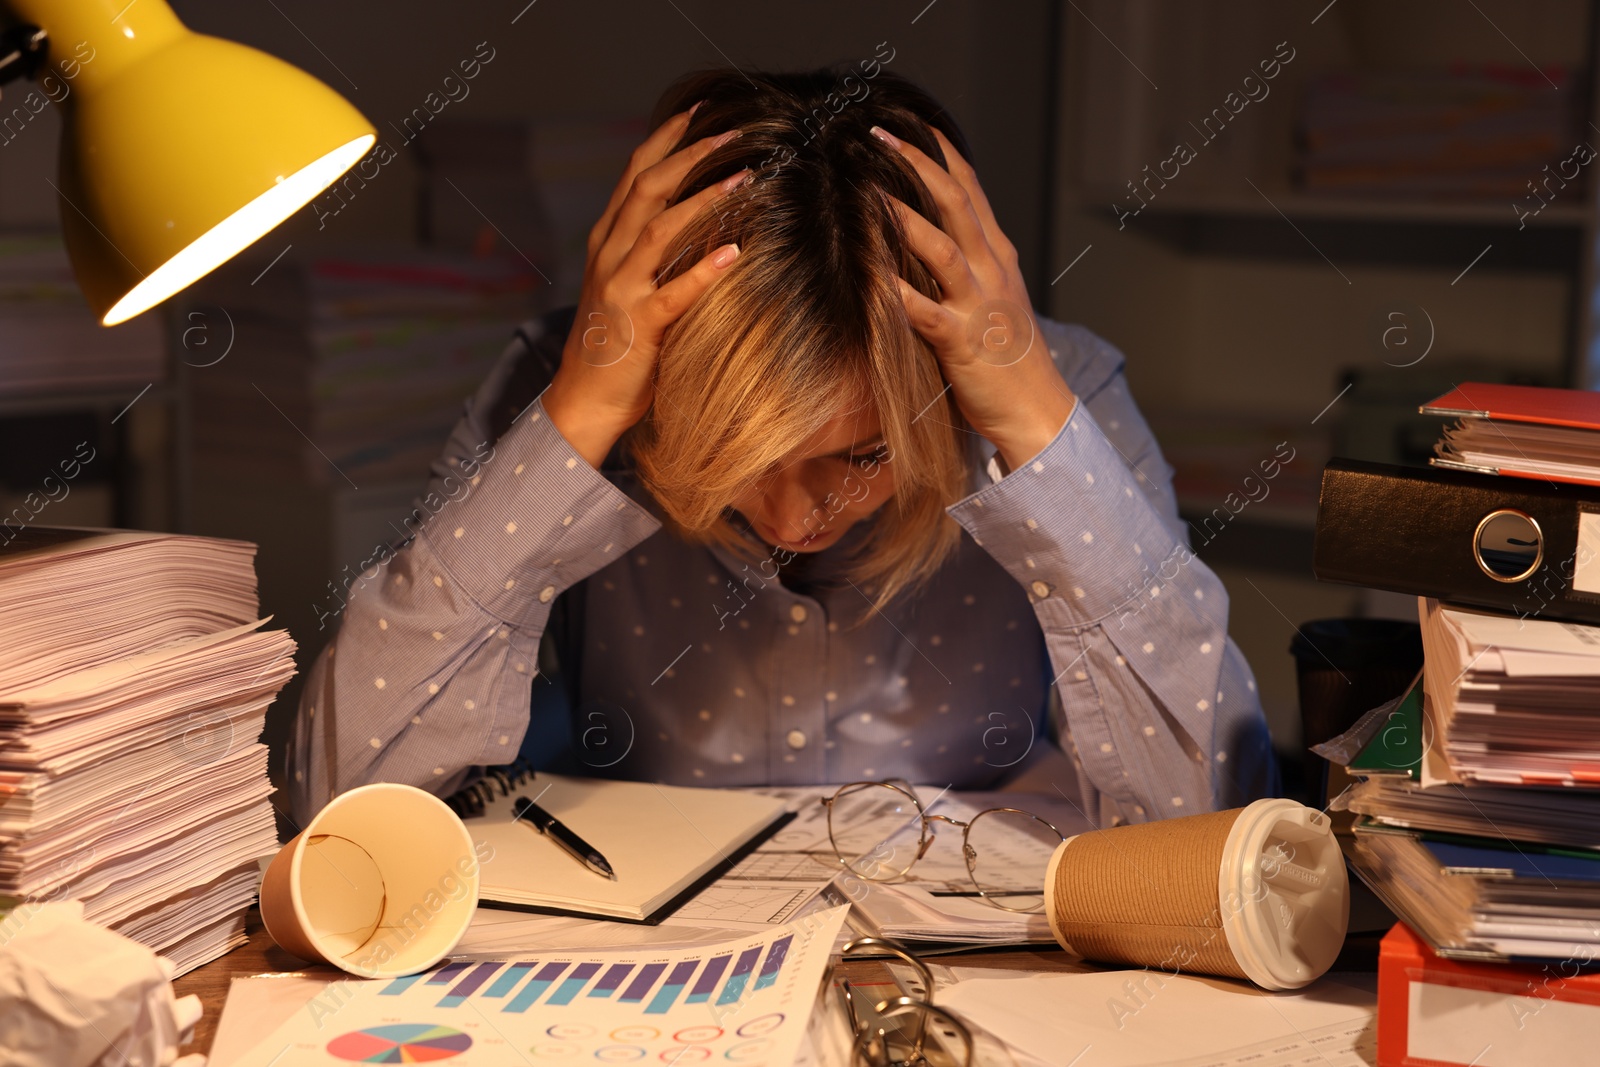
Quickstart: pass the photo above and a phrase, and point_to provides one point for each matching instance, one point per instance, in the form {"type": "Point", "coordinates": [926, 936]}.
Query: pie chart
{"type": "Point", "coordinates": [400, 1043]}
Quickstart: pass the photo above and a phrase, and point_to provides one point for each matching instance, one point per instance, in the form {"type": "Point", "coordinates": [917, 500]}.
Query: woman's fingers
{"type": "Point", "coordinates": [963, 173]}
{"type": "Point", "coordinates": [641, 264]}
{"type": "Point", "coordinates": [649, 152]}
{"type": "Point", "coordinates": [943, 256]}
{"type": "Point", "coordinates": [663, 306]}
{"type": "Point", "coordinates": [648, 197]}
{"type": "Point", "coordinates": [956, 210]}
{"type": "Point", "coordinates": [938, 325]}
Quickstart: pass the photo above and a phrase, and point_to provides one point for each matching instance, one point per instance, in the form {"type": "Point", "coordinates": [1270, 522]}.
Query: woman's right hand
{"type": "Point", "coordinates": [604, 383]}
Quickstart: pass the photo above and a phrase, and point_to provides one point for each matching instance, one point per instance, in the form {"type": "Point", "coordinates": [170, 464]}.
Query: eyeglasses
{"type": "Point", "coordinates": [1002, 846]}
{"type": "Point", "coordinates": [902, 1031]}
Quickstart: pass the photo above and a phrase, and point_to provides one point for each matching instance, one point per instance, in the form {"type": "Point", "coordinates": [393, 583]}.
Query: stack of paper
{"type": "Point", "coordinates": [1470, 132]}
{"type": "Point", "coordinates": [1481, 823]}
{"type": "Point", "coordinates": [1511, 698]}
{"type": "Point", "coordinates": [1542, 816]}
{"type": "Point", "coordinates": [350, 367]}
{"type": "Point", "coordinates": [135, 684]}
{"type": "Point", "coordinates": [1559, 453]}
{"type": "Point", "coordinates": [1484, 897]}
{"type": "Point", "coordinates": [53, 342]}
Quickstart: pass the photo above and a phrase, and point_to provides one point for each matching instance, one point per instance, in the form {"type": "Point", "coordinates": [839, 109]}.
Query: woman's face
{"type": "Point", "coordinates": [838, 478]}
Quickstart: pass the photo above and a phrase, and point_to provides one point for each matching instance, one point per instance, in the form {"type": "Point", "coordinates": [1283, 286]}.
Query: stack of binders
{"type": "Point", "coordinates": [134, 683]}
{"type": "Point", "coordinates": [1479, 804]}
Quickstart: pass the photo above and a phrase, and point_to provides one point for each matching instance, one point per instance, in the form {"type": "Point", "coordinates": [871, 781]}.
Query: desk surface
{"type": "Point", "coordinates": [262, 956]}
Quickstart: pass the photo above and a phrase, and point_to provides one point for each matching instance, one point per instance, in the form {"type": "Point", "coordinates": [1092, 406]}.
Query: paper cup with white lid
{"type": "Point", "coordinates": [382, 882]}
{"type": "Point", "coordinates": [1258, 893]}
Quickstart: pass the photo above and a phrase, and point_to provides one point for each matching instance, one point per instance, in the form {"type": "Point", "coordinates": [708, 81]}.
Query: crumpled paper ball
{"type": "Point", "coordinates": [75, 994]}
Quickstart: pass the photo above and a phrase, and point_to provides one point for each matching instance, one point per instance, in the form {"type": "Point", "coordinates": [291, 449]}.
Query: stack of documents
{"type": "Point", "coordinates": [1470, 132]}
{"type": "Point", "coordinates": [53, 343]}
{"type": "Point", "coordinates": [135, 684]}
{"type": "Point", "coordinates": [1480, 817]}
{"type": "Point", "coordinates": [1512, 699]}
{"type": "Point", "coordinates": [1540, 816]}
{"type": "Point", "coordinates": [1559, 453]}
{"type": "Point", "coordinates": [350, 367]}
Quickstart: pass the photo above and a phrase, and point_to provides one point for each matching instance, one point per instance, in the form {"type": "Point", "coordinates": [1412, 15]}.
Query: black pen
{"type": "Point", "coordinates": [557, 831]}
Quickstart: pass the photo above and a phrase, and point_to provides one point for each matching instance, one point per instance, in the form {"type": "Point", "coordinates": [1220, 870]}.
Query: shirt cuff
{"type": "Point", "coordinates": [536, 519]}
{"type": "Point", "coordinates": [1073, 526]}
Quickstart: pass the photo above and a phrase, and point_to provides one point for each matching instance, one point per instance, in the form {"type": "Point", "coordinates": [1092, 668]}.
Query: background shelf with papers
{"type": "Point", "coordinates": [313, 437]}
{"type": "Point", "coordinates": [1240, 295]}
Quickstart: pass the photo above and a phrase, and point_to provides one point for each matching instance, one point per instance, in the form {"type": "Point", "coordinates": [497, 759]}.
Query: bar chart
{"type": "Point", "coordinates": [651, 986]}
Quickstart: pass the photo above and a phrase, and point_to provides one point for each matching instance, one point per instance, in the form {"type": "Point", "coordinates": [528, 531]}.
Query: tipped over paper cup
{"type": "Point", "coordinates": [1258, 892]}
{"type": "Point", "coordinates": [382, 882]}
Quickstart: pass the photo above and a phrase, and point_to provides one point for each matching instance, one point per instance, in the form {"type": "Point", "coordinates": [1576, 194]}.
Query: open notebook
{"type": "Point", "coordinates": [662, 841]}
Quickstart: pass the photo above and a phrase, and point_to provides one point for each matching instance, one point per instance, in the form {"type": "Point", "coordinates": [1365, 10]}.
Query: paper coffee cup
{"type": "Point", "coordinates": [1258, 892]}
{"type": "Point", "coordinates": [382, 882]}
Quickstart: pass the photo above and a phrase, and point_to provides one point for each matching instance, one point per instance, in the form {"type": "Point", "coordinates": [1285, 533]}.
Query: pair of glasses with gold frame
{"type": "Point", "coordinates": [1006, 849]}
{"type": "Point", "coordinates": [901, 1031]}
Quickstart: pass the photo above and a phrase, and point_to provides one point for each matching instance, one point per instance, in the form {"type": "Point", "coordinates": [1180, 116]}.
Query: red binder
{"type": "Point", "coordinates": [1522, 431]}
{"type": "Point", "coordinates": [1434, 1012]}
{"type": "Point", "coordinates": [1540, 404]}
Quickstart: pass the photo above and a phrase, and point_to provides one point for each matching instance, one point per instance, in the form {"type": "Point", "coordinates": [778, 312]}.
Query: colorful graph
{"type": "Point", "coordinates": [654, 988]}
{"type": "Point", "coordinates": [400, 1043]}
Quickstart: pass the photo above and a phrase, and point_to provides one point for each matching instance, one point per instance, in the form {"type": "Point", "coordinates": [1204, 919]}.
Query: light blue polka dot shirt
{"type": "Point", "coordinates": [1073, 623]}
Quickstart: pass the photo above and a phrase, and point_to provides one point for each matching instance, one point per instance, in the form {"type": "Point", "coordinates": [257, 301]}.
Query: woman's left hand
{"type": "Point", "coordinates": [983, 328]}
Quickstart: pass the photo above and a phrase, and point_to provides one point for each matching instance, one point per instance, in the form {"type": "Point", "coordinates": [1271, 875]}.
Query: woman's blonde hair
{"type": "Point", "coordinates": [808, 323]}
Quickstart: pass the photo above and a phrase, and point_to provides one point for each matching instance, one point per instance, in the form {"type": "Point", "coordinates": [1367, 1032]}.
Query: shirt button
{"type": "Point", "coordinates": [1040, 589]}
{"type": "Point", "coordinates": [796, 739]}
{"type": "Point", "coordinates": [546, 593]}
{"type": "Point", "coordinates": [798, 613]}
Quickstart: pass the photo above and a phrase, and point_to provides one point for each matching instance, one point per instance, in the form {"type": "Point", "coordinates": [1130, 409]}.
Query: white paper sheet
{"type": "Point", "coordinates": [1139, 1018]}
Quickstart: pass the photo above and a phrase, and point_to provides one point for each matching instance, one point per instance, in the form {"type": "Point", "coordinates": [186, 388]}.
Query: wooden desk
{"type": "Point", "coordinates": [210, 982]}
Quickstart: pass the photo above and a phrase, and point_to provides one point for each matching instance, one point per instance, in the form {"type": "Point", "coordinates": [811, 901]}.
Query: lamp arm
{"type": "Point", "coordinates": [22, 52]}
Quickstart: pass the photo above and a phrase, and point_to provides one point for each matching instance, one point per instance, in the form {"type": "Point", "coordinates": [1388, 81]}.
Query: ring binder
{"type": "Point", "coordinates": [472, 799]}
{"type": "Point", "coordinates": [1427, 531]}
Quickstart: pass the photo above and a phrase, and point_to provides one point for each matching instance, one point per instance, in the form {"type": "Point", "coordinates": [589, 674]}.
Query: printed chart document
{"type": "Point", "coordinates": [744, 1000]}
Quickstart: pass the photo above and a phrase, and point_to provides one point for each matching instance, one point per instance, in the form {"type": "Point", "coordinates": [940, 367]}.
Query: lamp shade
{"type": "Point", "coordinates": [178, 149]}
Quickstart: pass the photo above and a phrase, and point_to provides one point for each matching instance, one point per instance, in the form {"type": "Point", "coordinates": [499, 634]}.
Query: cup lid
{"type": "Point", "coordinates": [1284, 893]}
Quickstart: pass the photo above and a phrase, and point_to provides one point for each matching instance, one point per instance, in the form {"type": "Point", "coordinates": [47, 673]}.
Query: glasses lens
{"type": "Point", "coordinates": [914, 1034]}
{"type": "Point", "coordinates": [876, 830]}
{"type": "Point", "coordinates": [1007, 854]}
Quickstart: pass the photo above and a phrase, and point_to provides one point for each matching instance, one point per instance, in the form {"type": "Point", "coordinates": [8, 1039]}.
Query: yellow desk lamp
{"type": "Point", "coordinates": [178, 149]}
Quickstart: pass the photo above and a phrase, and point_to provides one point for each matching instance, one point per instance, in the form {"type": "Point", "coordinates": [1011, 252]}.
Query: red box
{"type": "Point", "coordinates": [1434, 1012]}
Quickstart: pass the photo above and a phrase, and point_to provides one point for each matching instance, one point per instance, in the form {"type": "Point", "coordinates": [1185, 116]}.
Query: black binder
{"type": "Point", "coordinates": [1505, 544]}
